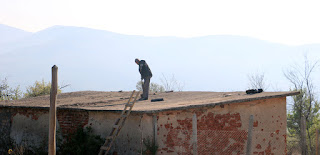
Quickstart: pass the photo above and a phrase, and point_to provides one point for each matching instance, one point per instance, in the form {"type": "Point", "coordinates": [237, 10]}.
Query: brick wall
{"type": "Point", "coordinates": [175, 131]}
{"type": "Point", "coordinates": [223, 129]}
{"type": "Point", "coordinates": [70, 120]}
{"type": "Point", "coordinates": [221, 133]}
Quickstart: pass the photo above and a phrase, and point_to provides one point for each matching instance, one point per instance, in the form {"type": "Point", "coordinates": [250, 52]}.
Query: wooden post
{"type": "Point", "coordinates": [155, 129]}
{"type": "Point", "coordinates": [249, 142]}
{"type": "Point", "coordinates": [303, 136]}
{"type": "Point", "coordinates": [53, 113]}
{"type": "Point", "coordinates": [194, 134]}
{"type": "Point", "coordinates": [317, 141]}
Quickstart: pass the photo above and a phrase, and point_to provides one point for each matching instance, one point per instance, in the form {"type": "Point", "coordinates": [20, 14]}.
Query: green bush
{"type": "Point", "coordinates": [39, 88]}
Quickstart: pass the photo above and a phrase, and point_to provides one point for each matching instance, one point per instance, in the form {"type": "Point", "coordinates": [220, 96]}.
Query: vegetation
{"type": "Point", "coordinates": [8, 93]}
{"type": "Point", "coordinates": [151, 147]}
{"type": "Point", "coordinates": [303, 119]}
{"type": "Point", "coordinates": [171, 84]}
{"type": "Point", "coordinates": [39, 88]}
{"type": "Point", "coordinates": [154, 87]}
{"type": "Point", "coordinates": [9, 146]}
{"type": "Point", "coordinates": [83, 141]}
{"type": "Point", "coordinates": [257, 81]}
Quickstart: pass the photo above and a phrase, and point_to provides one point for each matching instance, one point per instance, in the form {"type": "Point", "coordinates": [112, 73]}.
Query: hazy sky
{"type": "Point", "coordinates": [288, 22]}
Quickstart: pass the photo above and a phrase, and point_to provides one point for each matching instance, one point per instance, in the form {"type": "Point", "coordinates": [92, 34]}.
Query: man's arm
{"type": "Point", "coordinates": [140, 69]}
{"type": "Point", "coordinates": [150, 71]}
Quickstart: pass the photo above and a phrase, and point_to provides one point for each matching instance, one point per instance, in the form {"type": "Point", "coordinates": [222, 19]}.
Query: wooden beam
{"type": "Point", "coordinates": [53, 113]}
{"type": "Point", "coordinates": [249, 142]}
{"type": "Point", "coordinates": [194, 134]}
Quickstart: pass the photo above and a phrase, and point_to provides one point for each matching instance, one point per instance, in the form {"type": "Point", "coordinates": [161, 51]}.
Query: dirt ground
{"type": "Point", "coordinates": [115, 101]}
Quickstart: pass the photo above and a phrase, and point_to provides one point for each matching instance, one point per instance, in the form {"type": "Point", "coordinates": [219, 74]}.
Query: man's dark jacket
{"type": "Point", "coordinates": [144, 69]}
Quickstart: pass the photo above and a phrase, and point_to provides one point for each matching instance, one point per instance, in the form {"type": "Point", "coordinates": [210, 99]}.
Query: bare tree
{"type": "Point", "coordinates": [154, 88]}
{"type": "Point", "coordinates": [172, 83]}
{"type": "Point", "coordinates": [305, 105]}
{"type": "Point", "coordinates": [257, 80]}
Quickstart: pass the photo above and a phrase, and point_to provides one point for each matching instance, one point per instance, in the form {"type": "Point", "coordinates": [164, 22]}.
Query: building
{"type": "Point", "coordinates": [184, 123]}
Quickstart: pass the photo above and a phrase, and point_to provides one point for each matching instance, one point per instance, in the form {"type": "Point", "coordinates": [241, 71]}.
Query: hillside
{"type": "Point", "coordinates": [9, 34]}
{"type": "Point", "coordinates": [90, 59]}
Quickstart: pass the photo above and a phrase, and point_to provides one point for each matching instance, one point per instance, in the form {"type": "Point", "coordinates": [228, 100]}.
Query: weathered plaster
{"type": "Point", "coordinates": [30, 130]}
{"type": "Point", "coordinates": [223, 129]}
{"type": "Point", "coordinates": [137, 128]}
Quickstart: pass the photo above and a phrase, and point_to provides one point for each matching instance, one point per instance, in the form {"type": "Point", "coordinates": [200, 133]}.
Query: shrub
{"type": "Point", "coordinates": [39, 88]}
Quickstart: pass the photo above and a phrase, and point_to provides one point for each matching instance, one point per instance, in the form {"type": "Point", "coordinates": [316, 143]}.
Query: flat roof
{"type": "Point", "coordinates": [115, 101]}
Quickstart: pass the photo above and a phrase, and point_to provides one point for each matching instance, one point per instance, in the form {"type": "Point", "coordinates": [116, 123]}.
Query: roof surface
{"type": "Point", "coordinates": [115, 101]}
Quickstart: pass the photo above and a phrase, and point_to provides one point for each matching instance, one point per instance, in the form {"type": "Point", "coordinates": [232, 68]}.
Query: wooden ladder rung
{"type": "Point", "coordinates": [109, 137]}
{"type": "Point", "coordinates": [118, 125]}
{"type": "Point", "coordinates": [129, 105]}
{"type": "Point", "coordinates": [103, 148]}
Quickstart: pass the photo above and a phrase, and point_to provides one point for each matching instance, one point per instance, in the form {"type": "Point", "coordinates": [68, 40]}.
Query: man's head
{"type": "Point", "coordinates": [137, 61]}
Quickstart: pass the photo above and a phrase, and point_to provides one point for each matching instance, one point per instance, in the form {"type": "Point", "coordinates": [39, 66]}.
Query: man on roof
{"type": "Point", "coordinates": [146, 75]}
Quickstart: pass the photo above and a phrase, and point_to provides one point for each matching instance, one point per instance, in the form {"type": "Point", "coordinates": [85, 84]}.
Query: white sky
{"type": "Point", "coordinates": [288, 22]}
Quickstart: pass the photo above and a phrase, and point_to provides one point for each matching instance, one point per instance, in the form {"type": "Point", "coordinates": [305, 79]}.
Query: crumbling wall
{"type": "Point", "coordinates": [220, 129]}
{"type": "Point", "coordinates": [223, 129]}
{"type": "Point", "coordinates": [138, 128]}
{"type": "Point", "coordinates": [30, 126]}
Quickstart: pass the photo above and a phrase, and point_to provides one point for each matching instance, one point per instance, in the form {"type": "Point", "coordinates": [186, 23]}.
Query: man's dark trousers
{"type": "Point", "coordinates": [145, 87]}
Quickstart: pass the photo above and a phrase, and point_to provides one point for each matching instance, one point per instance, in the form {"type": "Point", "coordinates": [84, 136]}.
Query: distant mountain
{"type": "Point", "coordinates": [90, 59]}
{"type": "Point", "coordinates": [9, 34]}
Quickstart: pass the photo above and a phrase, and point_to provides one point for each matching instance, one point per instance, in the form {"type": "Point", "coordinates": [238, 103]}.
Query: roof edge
{"type": "Point", "coordinates": [220, 103]}
{"type": "Point", "coordinates": [173, 108]}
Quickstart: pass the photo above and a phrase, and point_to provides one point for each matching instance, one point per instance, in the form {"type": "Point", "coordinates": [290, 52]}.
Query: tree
{"type": "Point", "coordinates": [154, 87]}
{"type": "Point", "coordinates": [257, 80]}
{"type": "Point", "coordinates": [171, 84]}
{"type": "Point", "coordinates": [39, 88]}
{"type": "Point", "coordinates": [8, 93]}
{"type": "Point", "coordinates": [305, 106]}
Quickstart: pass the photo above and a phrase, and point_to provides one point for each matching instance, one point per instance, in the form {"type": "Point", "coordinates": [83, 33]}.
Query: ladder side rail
{"type": "Point", "coordinates": [120, 123]}
{"type": "Point", "coordinates": [123, 122]}
{"type": "Point", "coordinates": [127, 114]}
{"type": "Point", "coordinates": [125, 118]}
{"type": "Point", "coordinates": [125, 107]}
{"type": "Point", "coordinates": [120, 119]}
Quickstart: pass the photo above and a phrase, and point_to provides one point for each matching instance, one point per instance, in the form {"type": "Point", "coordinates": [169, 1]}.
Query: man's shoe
{"type": "Point", "coordinates": [143, 99]}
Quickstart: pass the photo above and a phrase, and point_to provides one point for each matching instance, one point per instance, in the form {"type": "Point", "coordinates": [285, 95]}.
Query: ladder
{"type": "Point", "coordinates": [118, 125]}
